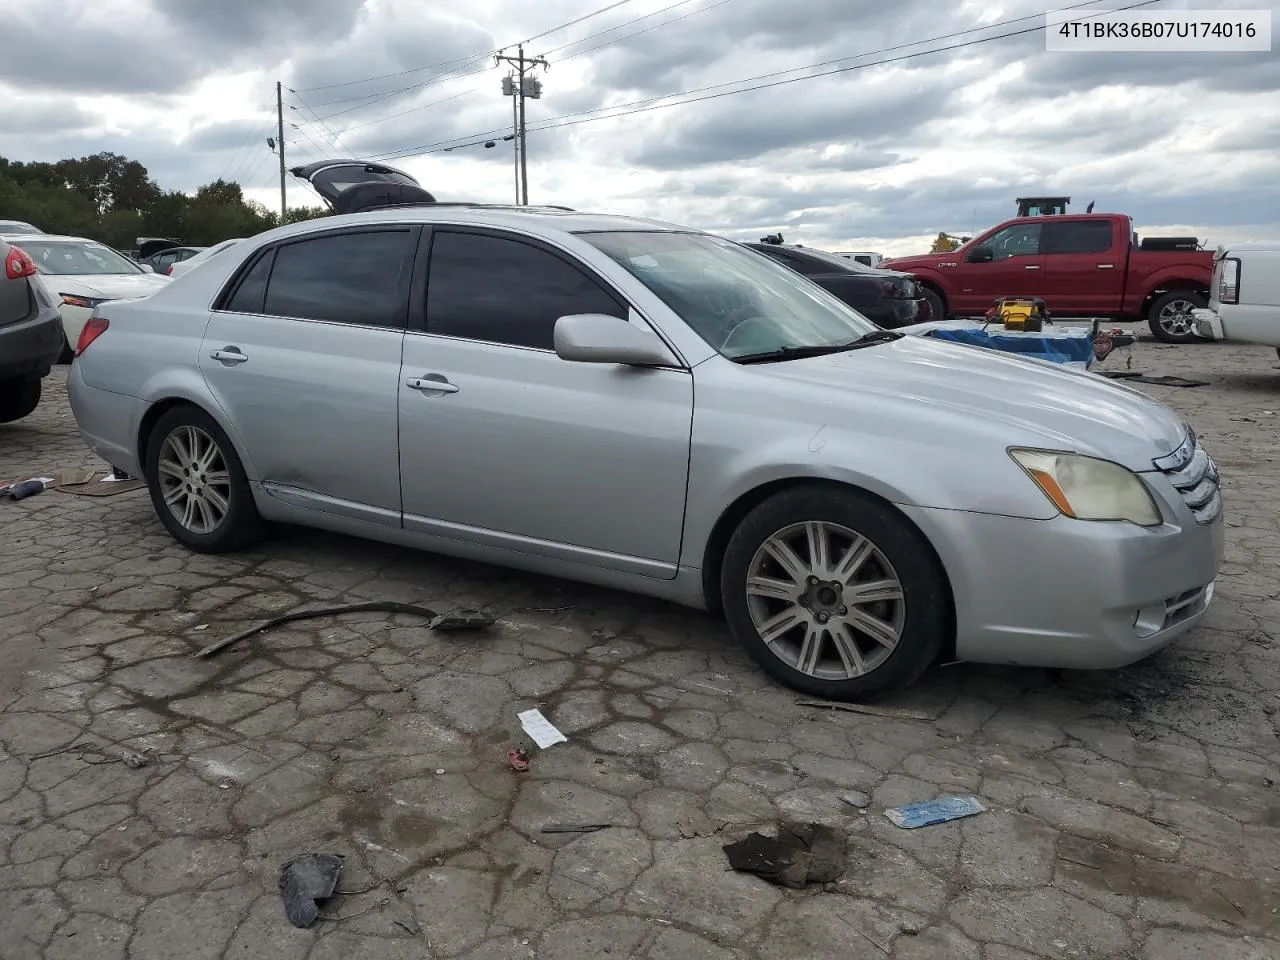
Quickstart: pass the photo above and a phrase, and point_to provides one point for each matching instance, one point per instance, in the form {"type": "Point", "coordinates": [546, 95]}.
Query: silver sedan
{"type": "Point", "coordinates": [642, 406]}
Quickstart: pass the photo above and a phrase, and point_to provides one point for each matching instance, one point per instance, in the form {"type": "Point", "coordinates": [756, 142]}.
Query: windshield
{"type": "Point", "coordinates": [739, 302]}
{"type": "Point", "coordinates": [61, 258]}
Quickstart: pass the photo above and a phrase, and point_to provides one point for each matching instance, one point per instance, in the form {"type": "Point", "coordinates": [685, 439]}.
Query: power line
{"type": "Point", "coordinates": [323, 126]}
{"type": "Point", "coordinates": [464, 61]}
{"type": "Point", "coordinates": [652, 103]}
{"type": "Point", "coordinates": [256, 133]}
{"type": "Point", "coordinates": [374, 98]}
{"type": "Point", "coordinates": [601, 33]}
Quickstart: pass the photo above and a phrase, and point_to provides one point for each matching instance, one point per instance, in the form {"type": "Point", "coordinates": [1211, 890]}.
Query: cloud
{"type": "Point", "coordinates": [880, 157]}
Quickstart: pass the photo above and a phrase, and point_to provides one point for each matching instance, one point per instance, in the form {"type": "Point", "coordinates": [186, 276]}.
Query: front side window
{"type": "Point", "coordinates": [62, 258]}
{"type": "Point", "coordinates": [741, 304]}
{"type": "Point", "coordinates": [350, 278]}
{"type": "Point", "coordinates": [502, 290]}
{"type": "Point", "coordinates": [1019, 240]}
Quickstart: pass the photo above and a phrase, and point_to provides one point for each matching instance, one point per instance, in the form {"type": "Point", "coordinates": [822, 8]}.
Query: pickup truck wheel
{"type": "Point", "coordinates": [834, 594]}
{"type": "Point", "coordinates": [198, 487]}
{"type": "Point", "coordinates": [18, 398]}
{"type": "Point", "coordinates": [1170, 317]}
{"type": "Point", "coordinates": [936, 310]}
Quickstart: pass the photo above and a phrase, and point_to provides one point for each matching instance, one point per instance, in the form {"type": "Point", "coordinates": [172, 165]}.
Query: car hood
{"type": "Point", "coordinates": [1031, 402]}
{"type": "Point", "coordinates": [106, 286]}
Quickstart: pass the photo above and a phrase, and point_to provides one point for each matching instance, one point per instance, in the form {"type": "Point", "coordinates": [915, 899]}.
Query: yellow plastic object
{"type": "Point", "coordinates": [1018, 314]}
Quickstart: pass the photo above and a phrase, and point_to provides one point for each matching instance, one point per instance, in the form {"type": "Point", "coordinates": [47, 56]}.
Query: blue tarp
{"type": "Point", "coordinates": [1057, 346]}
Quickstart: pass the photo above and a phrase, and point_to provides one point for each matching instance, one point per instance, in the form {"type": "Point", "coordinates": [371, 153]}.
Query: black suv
{"type": "Point", "coordinates": [887, 298]}
{"type": "Point", "coordinates": [31, 336]}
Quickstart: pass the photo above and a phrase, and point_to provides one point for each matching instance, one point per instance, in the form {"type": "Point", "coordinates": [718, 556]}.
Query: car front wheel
{"type": "Point", "coordinates": [198, 486]}
{"type": "Point", "coordinates": [835, 594]}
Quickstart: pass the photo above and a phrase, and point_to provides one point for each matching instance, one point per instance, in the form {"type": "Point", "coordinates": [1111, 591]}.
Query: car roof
{"type": "Point", "coordinates": [554, 219]}
{"type": "Point", "coordinates": [20, 238]}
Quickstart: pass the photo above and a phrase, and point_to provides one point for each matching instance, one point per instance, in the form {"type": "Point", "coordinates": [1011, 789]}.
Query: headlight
{"type": "Point", "coordinates": [1090, 489]}
{"type": "Point", "coordinates": [72, 300]}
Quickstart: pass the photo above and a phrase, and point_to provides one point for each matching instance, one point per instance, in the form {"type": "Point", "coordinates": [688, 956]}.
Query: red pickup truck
{"type": "Point", "coordinates": [1080, 265]}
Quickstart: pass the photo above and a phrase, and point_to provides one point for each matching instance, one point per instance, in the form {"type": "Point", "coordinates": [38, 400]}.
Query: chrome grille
{"type": "Point", "coordinates": [1195, 476]}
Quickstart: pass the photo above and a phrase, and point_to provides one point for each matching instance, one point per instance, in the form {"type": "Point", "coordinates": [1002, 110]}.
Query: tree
{"type": "Point", "coordinates": [110, 198]}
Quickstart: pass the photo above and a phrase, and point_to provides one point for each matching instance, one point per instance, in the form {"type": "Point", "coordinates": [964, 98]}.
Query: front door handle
{"type": "Point", "coordinates": [1106, 266]}
{"type": "Point", "coordinates": [431, 383]}
{"type": "Point", "coordinates": [1032, 266]}
{"type": "Point", "coordinates": [229, 355]}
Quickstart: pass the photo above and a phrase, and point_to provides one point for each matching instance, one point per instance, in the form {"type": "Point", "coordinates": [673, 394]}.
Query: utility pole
{"type": "Point", "coordinates": [521, 87]}
{"type": "Point", "coordinates": [284, 202]}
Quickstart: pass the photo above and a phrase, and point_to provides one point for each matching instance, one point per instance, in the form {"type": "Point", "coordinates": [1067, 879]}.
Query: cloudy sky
{"type": "Point", "coordinates": [880, 157]}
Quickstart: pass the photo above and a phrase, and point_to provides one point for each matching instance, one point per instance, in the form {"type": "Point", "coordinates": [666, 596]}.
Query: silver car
{"type": "Point", "coordinates": [638, 405]}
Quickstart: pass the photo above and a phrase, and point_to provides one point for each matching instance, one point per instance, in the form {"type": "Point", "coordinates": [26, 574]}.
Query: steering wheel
{"type": "Point", "coordinates": [739, 323]}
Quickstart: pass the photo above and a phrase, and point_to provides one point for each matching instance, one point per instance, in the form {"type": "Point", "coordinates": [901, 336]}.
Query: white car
{"type": "Point", "coordinates": [1245, 291]}
{"type": "Point", "coordinates": [182, 266]}
{"type": "Point", "coordinates": [18, 226]}
{"type": "Point", "coordinates": [80, 274]}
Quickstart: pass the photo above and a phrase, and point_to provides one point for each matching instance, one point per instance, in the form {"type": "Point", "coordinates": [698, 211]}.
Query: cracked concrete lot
{"type": "Point", "coordinates": [1133, 814]}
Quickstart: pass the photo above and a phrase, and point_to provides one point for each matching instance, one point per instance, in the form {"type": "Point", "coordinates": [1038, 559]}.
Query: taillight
{"type": "Point", "coordinates": [1229, 280]}
{"type": "Point", "coordinates": [93, 328]}
{"type": "Point", "coordinates": [18, 264]}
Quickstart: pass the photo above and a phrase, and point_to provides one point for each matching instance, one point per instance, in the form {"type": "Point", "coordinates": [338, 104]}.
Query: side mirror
{"type": "Point", "coordinates": [980, 254]}
{"type": "Point", "coordinates": [598, 338]}
{"type": "Point", "coordinates": [147, 268]}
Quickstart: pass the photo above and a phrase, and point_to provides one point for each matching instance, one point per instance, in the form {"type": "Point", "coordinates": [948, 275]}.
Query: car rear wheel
{"type": "Point", "coordinates": [1170, 316]}
{"type": "Point", "coordinates": [18, 398]}
{"type": "Point", "coordinates": [835, 594]}
{"type": "Point", "coordinates": [198, 485]}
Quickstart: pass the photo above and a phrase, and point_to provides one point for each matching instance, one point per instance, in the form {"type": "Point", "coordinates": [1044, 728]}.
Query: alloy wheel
{"type": "Point", "coordinates": [825, 600]}
{"type": "Point", "coordinates": [194, 480]}
{"type": "Point", "coordinates": [1175, 319]}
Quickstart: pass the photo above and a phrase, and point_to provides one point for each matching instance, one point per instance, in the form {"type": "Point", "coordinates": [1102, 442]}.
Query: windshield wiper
{"type": "Point", "coordinates": [819, 350]}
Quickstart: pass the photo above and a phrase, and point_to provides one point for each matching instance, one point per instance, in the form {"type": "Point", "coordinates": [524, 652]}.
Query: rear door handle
{"type": "Point", "coordinates": [1106, 266]}
{"type": "Point", "coordinates": [229, 355]}
{"type": "Point", "coordinates": [431, 383]}
{"type": "Point", "coordinates": [1032, 266]}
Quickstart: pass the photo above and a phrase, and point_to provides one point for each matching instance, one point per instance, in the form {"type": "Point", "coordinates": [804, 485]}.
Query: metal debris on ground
{"type": "Point", "coordinates": [800, 854]}
{"type": "Point", "coordinates": [1136, 376]}
{"type": "Point", "coordinates": [897, 713]}
{"type": "Point", "coordinates": [541, 729]}
{"type": "Point", "coordinates": [459, 620]}
{"type": "Point", "coordinates": [91, 753]}
{"type": "Point", "coordinates": [575, 827]}
{"type": "Point", "coordinates": [306, 879]}
{"type": "Point", "coordinates": [930, 812]}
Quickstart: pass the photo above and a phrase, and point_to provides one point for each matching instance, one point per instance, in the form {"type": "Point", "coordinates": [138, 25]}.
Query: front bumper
{"type": "Point", "coordinates": [901, 313]}
{"type": "Point", "coordinates": [1071, 593]}
{"type": "Point", "coordinates": [1208, 324]}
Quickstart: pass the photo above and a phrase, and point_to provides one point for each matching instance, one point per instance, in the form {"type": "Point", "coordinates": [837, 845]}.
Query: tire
{"type": "Point", "coordinates": [178, 433]}
{"type": "Point", "coordinates": [913, 617]}
{"type": "Point", "coordinates": [18, 398]}
{"type": "Point", "coordinates": [1170, 316]}
{"type": "Point", "coordinates": [937, 311]}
